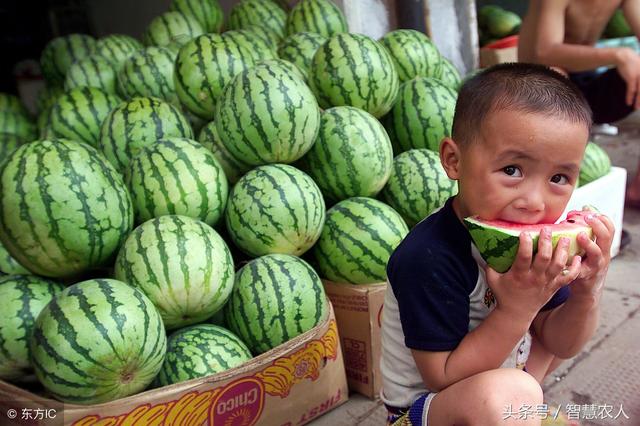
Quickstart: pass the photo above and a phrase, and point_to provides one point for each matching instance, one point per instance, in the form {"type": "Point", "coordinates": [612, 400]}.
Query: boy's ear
{"type": "Point", "coordinates": [450, 157]}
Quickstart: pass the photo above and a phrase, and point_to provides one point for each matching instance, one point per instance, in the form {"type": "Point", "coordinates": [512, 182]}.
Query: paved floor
{"type": "Point", "coordinates": [601, 385]}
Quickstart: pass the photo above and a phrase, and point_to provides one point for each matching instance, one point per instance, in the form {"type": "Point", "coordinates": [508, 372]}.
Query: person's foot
{"type": "Point", "coordinates": [632, 196]}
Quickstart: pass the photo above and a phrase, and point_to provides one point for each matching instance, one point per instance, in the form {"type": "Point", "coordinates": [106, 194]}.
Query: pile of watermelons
{"type": "Point", "coordinates": [169, 212]}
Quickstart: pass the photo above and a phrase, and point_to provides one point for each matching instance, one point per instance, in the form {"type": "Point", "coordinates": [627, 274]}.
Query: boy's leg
{"type": "Point", "coordinates": [633, 192]}
{"type": "Point", "coordinates": [504, 396]}
{"type": "Point", "coordinates": [541, 362]}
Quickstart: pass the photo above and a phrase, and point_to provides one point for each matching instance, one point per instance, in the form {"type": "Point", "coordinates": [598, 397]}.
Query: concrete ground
{"type": "Point", "coordinates": [601, 385]}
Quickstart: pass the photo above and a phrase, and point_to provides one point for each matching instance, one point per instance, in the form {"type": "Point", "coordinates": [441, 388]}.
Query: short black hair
{"type": "Point", "coordinates": [529, 88]}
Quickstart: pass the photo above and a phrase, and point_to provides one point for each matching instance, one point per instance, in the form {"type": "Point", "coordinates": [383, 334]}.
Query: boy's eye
{"type": "Point", "coordinates": [560, 179]}
{"type": "Point", "coordinates": [512, 171]}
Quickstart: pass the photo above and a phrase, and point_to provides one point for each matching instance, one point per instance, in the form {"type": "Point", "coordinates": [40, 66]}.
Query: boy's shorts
{"type": "Point", "coordinates": [415, 415]}
{"type": "Point", "coordinates": [605, 92]}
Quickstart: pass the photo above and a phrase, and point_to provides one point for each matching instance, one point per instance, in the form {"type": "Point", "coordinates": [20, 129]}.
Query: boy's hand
{"type": "Point", "coordinates": [525, 288]}
{"type": "Point", "coordinates": [595, 264]}
{"type": "Point", "coordinates": [628, 65]}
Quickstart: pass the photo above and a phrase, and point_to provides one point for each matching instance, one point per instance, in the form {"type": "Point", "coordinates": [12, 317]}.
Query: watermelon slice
{"type": "Point", "coordinates": [497, 240]}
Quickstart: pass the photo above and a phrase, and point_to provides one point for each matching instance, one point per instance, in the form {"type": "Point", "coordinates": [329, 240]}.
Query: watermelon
{"type": "Point", "coordinates": [358, 238]}
{"type": "Point", "coordinates": [450, 76]}
{"type": "Point", "coordinates": [352, 155]}
{"type": "Point", "coordinates": [262, 13]}
{"type": "Point", "coordinates": [116, 48]}
{"type": "Point", "coordinates": [78, 114]}
{"type": "Point", "coordinates": [63, 208]}
{"type": "Point", "coordinates": [267, 114]}
{"type": "Point", "coordinates": [149, 72]}
{"type": "Point", "coordinates": [354, 70]}
{"type": "Point", "coordinates": [418, 185]}
{"type": "Point", "coordinates": [422, 114]}
{"type": "Point", "coordinates": [270, 63]}
{"type": "Point", "coordinates": [257, 47]}
{"type": "Point", "coordinates": [23, 296]}
{"type": "Point", "coordinates": [199, 351]}
{"type": "Point", "coordinates": [595, 164]}
{"type": "Point", "coordinates": [299, 49]}
{"type": "Point", "coordinates": [91, 71]}
{"type": "Point", "coordinates": [97, 341]}
{"type": "Point", "coordinates": [58, 55]}
{"type": "Point", "coordinates": [413, 54]}
{"type": "Point", "coordinates": [137, 123]}
{"type": "Point", "coordinates": [203, 68]}
{"type": "Point", "coordinates": [233, 168]}
{"type": "Point", "coordinates": [8, 144]}
{"type": "Point", "coordinates": [207, 12]}
{"type": "Point", "coordinates": [275, 298]}
{"type": "Point", "coordinates": [17, 124]}
{"type": "Point", "coordinates": [498, 240]}
{"type": "Point", "coordinates": [618, 26]}
{"type": "Point", "coordinates": [172, 27]}
{"type": "Point", "coordinates": [10, 266]}
{"type": "Point", "coordinates": [177, 176]}
{"type": "Point", "coordinates": [47, 97]}
{"type": "Point", "coordinates": [9, 102]}
{"type": "Point", "coordinates": [181, 264]}
{"type": "Point", "coordinates": [316, 16]}
{"type": "Point", "coordinates": [275, 209]}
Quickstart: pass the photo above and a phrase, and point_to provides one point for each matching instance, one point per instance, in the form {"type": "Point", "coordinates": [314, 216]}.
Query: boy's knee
{"type": "Point", "coordinates": [510, 390]}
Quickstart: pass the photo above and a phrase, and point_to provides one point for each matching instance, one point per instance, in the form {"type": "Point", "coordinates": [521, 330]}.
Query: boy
{"type": "Point", "coordinates": [450, 323]}
{"type": "Point", "coordinates": [562, 34]}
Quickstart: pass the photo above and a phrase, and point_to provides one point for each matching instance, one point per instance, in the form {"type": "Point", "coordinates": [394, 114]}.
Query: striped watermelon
{"type": "Point", "coordinates": [177, 176]}
{"type": "Point", "coordinates": [358, 238]}
{"type": "Point", "coordinates": [422, 114]}
{"type": "Point", "coordinates": [199, 351]}
{"type": "Point", "coordinates": [9, 143]}
{"type": "Point", "coordinates": [43, 124]}
{"type": "Point", "coordinates": [47, 97]}
{"type": "Point", "coordinates": [137, 123]}
{"type": "Point", "coordinates": [181, 264]}
{"type": "Point", "coordinates": [97, 341]}
{"type": "Point", "coordinates": [9, 102]}
{"type": "Point", "coordinates": [207, 12]}
{"type": "Point", "coordinates": [203, 68]}
{"type": "Point", "coordinates": [91, 71]}
{"type": "Point", "coordinates": [19, 125]}
{"type": "Point", "coordinates": [149, 72]}
{"type": "Point", "coordinates": [288, 66]}
{"type": "Point", "coordinates": [354, 70]}
{"type": "Point", "coordinates": [595, 164]}
{"type": "Point", "coordinates": [267, 114]}
{"type": "Point", "coordinates": [116, 48]}
{"type": "Point", "coordinates": [316, 16]}
{"type": "Point", "coordinates": [299, 49]}
{"type": "Point", "coordinates": [172, 27]}
{"type": "Point", "coordinates": [418, 185]}
{"type": "Point", "coordinates": [232, 167]}
{"type": "Point", "coordinates": [257, 47]}
{"type": "Point", "coordinates": [275, 298]}
{"type": "Point", "coordinates": [275, 209]}
{"type": "Point", "coordinates": [63, 208]}
{"type": "Point", "coordinates": [58, 55]}
{"type": "Point", "coordinates": [79, 113]}
{"type": "Point", "coordinates": [270, 37]}
{"type": "Point", "coordinates": [23, 297]}
{"type": "Point", "coordinates": [352, 155]}
{"type": "Point", "coordinates": [262, 13]}
{"type": "Point", "coordinates": [413, 54]}
{"type": "Point", "coordinates": [10, 266]}
{"type": "Point", "coordinates": [450, 76]}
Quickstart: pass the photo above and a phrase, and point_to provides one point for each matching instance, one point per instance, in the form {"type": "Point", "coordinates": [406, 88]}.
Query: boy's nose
{"type": "Point", "coordinates": [531, 201]}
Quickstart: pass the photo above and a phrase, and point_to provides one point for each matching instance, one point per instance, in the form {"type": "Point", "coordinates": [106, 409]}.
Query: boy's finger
{"type": "Point", "coordinates": [560, 258]}
{"type": "Point", "coordinates": [524, 254]}
{"type": "Point", "coordinates": [604, 237]}
{"type": "Point", "coordinates": [591, 249]}
{"type": "Point", "coordinates": [570, 273]}
{"type": "Point", "coordinates": [544, 253]}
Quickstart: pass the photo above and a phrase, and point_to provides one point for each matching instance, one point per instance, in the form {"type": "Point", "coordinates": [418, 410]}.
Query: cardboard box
{"type": "Point", "coordinates": [607, 195]}
{"type": "Point", "coordinates": [358, 310]}
{"type": "Point", "coordinates": [289, 385]}
{"type": "Point", "coordinates": [490, 57]}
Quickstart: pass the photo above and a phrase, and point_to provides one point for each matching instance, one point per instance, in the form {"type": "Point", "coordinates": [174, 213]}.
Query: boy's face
{"type": "Point", "coordinates": [523, 168]}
